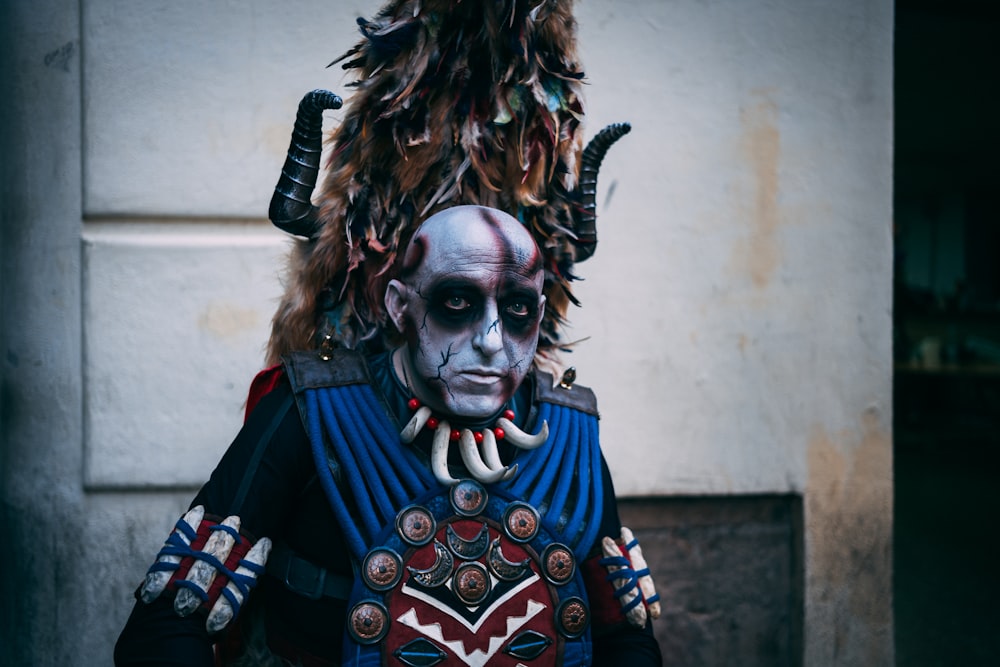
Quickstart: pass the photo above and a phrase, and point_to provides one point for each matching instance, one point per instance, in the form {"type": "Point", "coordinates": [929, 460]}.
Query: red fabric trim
{"type": "Point", "coordinates": [240, 549]}
{"type": "Point", "coordinates": [262, 385]}
{"type": "Point", "coordinates": [605, 609]}
{"type": "Point", "coordinates": [200, 538]}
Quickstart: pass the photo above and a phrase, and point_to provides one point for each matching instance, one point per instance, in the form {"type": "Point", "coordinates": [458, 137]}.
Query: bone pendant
{"type": "Point", "coordinates": [639, 563]}
{"type": "Point", "coordinates": [156, 582]}
{"type": "Point", "coordinates": [470, 457]}
{"type": "Point", "coordinates": [222, 612]}
{"type": "Point", "coordinates": [417, 421]}
{"type": "Point", "coordinates": [523, 440]}
{"type": "Point", "coordinates": [201, 573]}
{"type": "Point", "coordinates": [439, 454]}
{"type": "Point", "coordinates": [637, 614]}
{"type": "Point", "coordinates": [491, 455]}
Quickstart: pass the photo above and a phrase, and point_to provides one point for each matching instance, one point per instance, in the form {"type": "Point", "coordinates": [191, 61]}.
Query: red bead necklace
{"type": "Point", "coordinates": [414, 404]}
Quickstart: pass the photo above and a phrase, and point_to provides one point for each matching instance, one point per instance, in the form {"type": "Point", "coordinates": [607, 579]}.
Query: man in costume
{"type": "Point", "coordinates": [473, 539]}
{"type": "Point", "coordinates": [411, 487]}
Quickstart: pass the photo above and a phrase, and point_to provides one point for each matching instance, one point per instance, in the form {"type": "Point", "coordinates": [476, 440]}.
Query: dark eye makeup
{"type": "Point", "coordinates": [519, 305]}
{"type": "Point", "coordinates": [457, 303]}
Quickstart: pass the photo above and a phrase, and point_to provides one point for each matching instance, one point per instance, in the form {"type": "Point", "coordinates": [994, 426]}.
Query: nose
{"type": "Point", "coordinates": [488, 339]}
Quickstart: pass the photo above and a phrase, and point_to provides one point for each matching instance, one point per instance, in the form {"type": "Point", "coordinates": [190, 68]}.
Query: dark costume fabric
{"type": "Point", "coordinates": [325, 518]}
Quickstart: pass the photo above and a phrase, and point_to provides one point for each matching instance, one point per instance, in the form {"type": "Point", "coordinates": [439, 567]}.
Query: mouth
{"type": "Point", "coordinates": [483, 376]}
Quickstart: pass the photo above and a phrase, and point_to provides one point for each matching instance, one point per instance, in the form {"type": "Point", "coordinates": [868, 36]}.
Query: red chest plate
{"type": "Point", "coordinates": [472, 586]}
{"type": "Point", "coordinates": [472, 596]}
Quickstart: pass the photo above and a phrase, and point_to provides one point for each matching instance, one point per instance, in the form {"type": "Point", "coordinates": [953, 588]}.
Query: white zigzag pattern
{"type": "Point", "coordinates": [472, 627]}
{"type": "Point", "coordinates": [477, 658]}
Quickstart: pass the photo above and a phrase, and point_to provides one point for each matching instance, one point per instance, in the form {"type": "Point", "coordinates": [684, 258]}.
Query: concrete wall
{"type": "Point", "coordinates": [737, 311]}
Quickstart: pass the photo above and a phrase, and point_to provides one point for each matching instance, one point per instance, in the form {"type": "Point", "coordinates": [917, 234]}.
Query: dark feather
{"type": "Point", "coordinates": [454, 103]}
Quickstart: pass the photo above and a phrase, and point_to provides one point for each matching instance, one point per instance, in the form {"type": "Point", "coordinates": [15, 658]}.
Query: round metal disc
{"type": "Point", "coordinates": [416, 525]}
{"type": "Point", "coordinates": [468, 497]}
{"type": "Point", "coordinates": [558, 563]}
{"type": "Point", "coordinates": [382, 569]}
{"type": "Point", "coordinates": [471, 583]}
{"type": "Point", "coordinates": [368, 622]}
{"type": "Point", "coordinates": [572, 617]}
{"type": "Point", "coordinates": [520, 522]}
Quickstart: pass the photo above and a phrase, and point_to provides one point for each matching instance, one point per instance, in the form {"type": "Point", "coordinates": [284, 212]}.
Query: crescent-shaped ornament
{"type": "Point", "coordinates": [437, 573]}
{"type": "Point", "coordinates": [506, 570]}
{"type": "Point", "coordinates": [468, 549]}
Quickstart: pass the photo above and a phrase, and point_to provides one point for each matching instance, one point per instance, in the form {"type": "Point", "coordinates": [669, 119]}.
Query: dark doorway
{"type": "Point", "coordinates": [947, 333]}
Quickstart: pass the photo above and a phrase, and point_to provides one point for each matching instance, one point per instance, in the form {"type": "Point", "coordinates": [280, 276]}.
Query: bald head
{"type": "Point", "coordinates": [469, 302]}
{"type": "Point", "coordinates": [463, 230]}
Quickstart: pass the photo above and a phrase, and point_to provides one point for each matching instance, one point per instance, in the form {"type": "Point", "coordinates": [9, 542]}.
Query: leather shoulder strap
{"type": "Point", "coordinates": [575, 396]}
{"type": "Point", "coordinates": [307, 370]}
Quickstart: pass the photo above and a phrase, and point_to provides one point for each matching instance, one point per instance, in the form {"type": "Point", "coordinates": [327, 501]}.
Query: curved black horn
{"type": "Point", "coordinates": [593, 154]}
{"type": "Point", "coordinates": [291, 207]}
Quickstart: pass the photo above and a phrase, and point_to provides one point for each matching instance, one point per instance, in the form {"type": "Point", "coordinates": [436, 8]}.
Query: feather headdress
{"type": "Point", "coordinates": [454, 103]}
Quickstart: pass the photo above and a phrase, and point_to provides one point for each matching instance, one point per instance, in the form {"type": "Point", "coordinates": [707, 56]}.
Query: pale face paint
{"type": "Point", "coordinates": [469, 302]}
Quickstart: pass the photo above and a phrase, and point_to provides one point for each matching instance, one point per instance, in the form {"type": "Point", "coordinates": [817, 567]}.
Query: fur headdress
{"type": "Point", "coordinates": [455, 102]}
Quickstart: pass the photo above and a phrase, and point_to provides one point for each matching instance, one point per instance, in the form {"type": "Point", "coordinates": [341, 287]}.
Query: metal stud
{"type": "Point", "coordinates": [382, 569]}
{"type": "Point", "coordinates": [415, 525]}
{"type": "Point", "coordinates": [368, 622]}
{"type": "Point", "coordinates": [471, 583]}
{"type": "Point", "coordinates": [468, 497]}
{"type": "Point", "coordinates": [558, 563]}
{"type": "Point", "coordinates": [520, 522]}
{"type": "Point", "coordinates": [572, 617]}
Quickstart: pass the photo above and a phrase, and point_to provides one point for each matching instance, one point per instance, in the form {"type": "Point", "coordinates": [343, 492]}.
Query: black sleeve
{"type": "Point", "coordinates": [628, 646]}
{"type": "Point", "coordinates": [265, 469]}
{"type": "Point", "coordinates": [257, 479]}
{"type": "Point", "coordinates": [623, 644]}
{"type": "Point", "coordinates": [156, 635]}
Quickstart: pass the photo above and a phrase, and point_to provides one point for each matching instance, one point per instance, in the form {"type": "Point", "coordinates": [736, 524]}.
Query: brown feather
{"type": "Point", "coordinates": [454, 103]}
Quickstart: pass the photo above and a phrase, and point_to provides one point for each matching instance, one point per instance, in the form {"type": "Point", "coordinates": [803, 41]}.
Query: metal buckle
{"type": "Point", "coordinates": [303, 569]}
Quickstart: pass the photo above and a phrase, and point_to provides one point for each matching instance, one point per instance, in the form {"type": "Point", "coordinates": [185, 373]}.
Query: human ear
{"type": "Point", "coordinates": [395, 303]}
